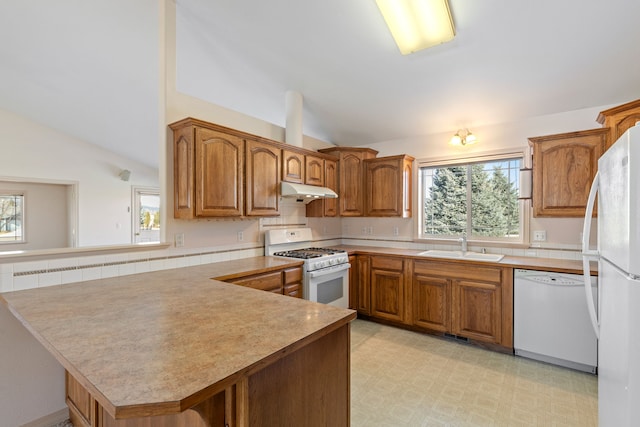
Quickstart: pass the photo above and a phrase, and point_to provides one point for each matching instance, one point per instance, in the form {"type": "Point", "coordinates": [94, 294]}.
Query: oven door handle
{"type": "Point", "coordinates": [329, 270]}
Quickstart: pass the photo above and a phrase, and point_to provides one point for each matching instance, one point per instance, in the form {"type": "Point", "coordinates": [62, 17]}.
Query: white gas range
{"type": "Point", "coordinates": [326, 271]}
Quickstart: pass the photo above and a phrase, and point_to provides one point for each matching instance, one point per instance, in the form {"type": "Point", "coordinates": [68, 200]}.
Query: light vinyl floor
{"type": "Point", "coordinates": [404, 378]}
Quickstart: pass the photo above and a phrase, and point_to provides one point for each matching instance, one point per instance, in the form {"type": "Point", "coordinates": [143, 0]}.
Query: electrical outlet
{"type": "Point", "coordinates": [364, 230]}
{"type": "Point", "coordinates": [370, 230]}
{"type": "Point", "coordinates": [179, 240]}
{"type": "Point", "coordinates": [240, 236]}
{"type": "Point", "coordinates": [396, 231]}
{"type": "Point", "coordinates": [540, 235]}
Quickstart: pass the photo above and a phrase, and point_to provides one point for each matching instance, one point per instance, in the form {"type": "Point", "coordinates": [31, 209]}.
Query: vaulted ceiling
{"type": "Point", "coordinates": [91, 68]}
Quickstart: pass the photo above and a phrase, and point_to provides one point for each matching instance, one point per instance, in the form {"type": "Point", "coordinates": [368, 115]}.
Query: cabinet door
{"type": "Point", "coordinates": [262, 179]}
{"type": "Point", "coordinates": [363, 304]}
{"type": "Point", "coordinates": [432, 302]}
{"type": "Point", "coordinates": [351, 182]}
{"type": "Point", "coordinates": [292, 166]}
{"type": "Point", "coordinates": [387, 294]}
{"type": "Point", "coordinates": [388, 186]}
{"type": "Point", "coordinates": [387, 288]}
{"type": "Point", "coordinates": [477, 310]}
{"type": "Point", "coordinates": [564, 166]}
{"type": "Point", "coordinates": [184, 173]}
{"type": "Point", "coordinates": [292, 280]}
{"type": "Point", "coordinates": [353, 281]}
{"type": "Point", "coordinates": [219, 173]}
{"type": "Point", "coordinates": [331, 181]}
{"type": "Point", "coordinates": [314, 170]}
{"type": "Point", "coordinates": [326, 207]}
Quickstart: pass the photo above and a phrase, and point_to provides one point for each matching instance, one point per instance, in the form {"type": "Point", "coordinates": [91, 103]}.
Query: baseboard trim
{"type": "Point", "coordinates": [49, 420]}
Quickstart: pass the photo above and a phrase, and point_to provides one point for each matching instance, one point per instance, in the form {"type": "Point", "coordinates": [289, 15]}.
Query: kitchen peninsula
{"type": "Point", "coordinates": [174, 348]}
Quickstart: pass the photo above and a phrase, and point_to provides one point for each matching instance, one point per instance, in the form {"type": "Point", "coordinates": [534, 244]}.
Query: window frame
{"type": "Point", "coordinates": [23, 231]}
{"type": "Point", "coordinates": [524, 204]}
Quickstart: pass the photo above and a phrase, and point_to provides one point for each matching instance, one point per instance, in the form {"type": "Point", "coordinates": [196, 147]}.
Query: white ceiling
{"type": "Point", "coordinates": [91, 68]}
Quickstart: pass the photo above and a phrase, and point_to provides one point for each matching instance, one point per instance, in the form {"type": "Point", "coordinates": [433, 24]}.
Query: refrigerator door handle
{"type": "Point", "coordinates": [588, 254]}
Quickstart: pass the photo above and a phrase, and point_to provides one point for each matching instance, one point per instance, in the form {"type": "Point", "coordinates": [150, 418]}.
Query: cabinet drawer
{"type": "Point", "coordinates": [458, 270]}
{"type": "Point", "coordinates": [294, 290]}
{"type": "Point", "coordinates": [387, 263]}
{"type": "Point", "coordinates": [293, 275]}
{"type": "Point", "coordinates": [266, 282]}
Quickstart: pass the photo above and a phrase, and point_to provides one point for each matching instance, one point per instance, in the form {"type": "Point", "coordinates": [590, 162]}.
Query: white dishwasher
{"type": "Point", "coordinates": [551, 321]}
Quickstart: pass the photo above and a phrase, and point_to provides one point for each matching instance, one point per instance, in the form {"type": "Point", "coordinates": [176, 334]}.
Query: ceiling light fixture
{"type": "Point", "coordinates": [463, 137]}
{"type": "Point", "coordinates": [417, 24]}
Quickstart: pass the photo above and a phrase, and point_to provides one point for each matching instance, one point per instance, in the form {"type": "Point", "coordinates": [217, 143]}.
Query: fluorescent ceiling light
{"type": "Point", "coordinates": [417, 24]}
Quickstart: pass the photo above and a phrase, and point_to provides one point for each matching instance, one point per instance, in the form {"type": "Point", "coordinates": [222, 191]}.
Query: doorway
{"type": "Point", "coordinates": [146, 215]}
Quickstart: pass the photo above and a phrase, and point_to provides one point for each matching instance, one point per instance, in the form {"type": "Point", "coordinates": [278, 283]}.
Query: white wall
{"type": "Point", "coordinates": [31, 380]}
{"type": "Point", "coordinates": [561, 232]}
{"type": "Point", "coordinates": [32, 151]}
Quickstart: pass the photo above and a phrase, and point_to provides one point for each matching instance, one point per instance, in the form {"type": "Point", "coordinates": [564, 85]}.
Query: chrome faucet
{"type": "Point", "coordinates": [463, 240]}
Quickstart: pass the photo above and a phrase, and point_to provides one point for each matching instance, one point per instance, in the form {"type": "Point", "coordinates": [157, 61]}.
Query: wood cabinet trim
{"type": "Point", "coordinates": [617, 110]}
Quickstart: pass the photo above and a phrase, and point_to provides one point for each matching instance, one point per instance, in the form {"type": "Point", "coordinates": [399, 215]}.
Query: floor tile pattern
{"type": "Point", "coordinates": [404, 378]}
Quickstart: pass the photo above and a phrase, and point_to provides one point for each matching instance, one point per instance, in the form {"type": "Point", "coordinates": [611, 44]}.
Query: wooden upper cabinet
{"type": "Point", "coordinates": [388, 186]}
{"type": "Point", "coordinates": [314, 170]}
{"type": "Point", "coordinates": [350, 178]}
{"type": "Point", "coordinates": [619, 119]}
{"type": "Point", "coordinates": [326, 207]}
{"type": "Point", "coordinates": [219, 173]}
{"type": "Point", "coordinates": [262, 179]}
{"type": "Point", "coordinates": [331, 181]}
{"type": "Point", "coordinates": [224, 172]}
{"type": "Point", "coordinates": [293, 166]}
{"type": "Point", "coordinates": [207, 171]}
{"type": "Point", "coordinates": [564, 166]}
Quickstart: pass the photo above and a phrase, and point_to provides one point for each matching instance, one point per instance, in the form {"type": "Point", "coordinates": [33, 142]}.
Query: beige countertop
{"type": "Point", "coordinates": [164, 341]}
{"type": "Point", "coordinates": [533, 263]}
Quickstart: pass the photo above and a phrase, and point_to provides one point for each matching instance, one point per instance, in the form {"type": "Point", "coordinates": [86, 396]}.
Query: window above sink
{"type": "Point", "coordinates": [473, 197]}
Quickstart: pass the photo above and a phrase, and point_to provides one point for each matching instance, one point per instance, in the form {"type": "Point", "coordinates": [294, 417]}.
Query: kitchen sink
{"type": "Point", "coordinates": [474, 256]}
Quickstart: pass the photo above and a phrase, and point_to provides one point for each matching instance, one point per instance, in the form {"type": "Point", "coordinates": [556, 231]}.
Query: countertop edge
{"type": "Point", "coordinates": [509, 261]}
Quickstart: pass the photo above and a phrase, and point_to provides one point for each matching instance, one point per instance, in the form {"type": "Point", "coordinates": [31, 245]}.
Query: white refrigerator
{"type": "Point", "coordinates": [616, 318]}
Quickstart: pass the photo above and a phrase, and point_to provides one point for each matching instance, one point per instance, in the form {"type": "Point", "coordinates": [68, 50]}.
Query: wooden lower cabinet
{"type": "Point", "coordinates": [284, 282]}
{"type": "Point", "coordinates": [363, 288]}
{"type": "Point", "coordinates": [353, 281]}
{"type": "Point", "coordinates": [477, 310]}
{"type": "Point", "coordinates": [431, 302]}
{"type": "Point", "coordinates": [292, 282]}
{"type": "Point", "coordinates": [278, 393]}
{"type": "Point", "coordinates": [271, 282]}
{"type": "Point", "coordinates": [468, 300]}
{"type": "Point", "coordinates": [387, 288]}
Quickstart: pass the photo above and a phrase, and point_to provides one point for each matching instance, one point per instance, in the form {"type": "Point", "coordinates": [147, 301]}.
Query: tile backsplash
{"type": "Point", "coordinates": [41, 273]}
{"type": "Point", "coordinates": [36, 274]}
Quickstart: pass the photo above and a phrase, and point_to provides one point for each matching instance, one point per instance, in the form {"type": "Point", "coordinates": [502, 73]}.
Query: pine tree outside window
{"type": "Point", "coordinates": [476, 198]}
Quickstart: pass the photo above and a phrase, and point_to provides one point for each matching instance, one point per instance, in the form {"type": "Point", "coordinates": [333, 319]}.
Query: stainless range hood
{"type": "Point", "coordinates": [306, 193]}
